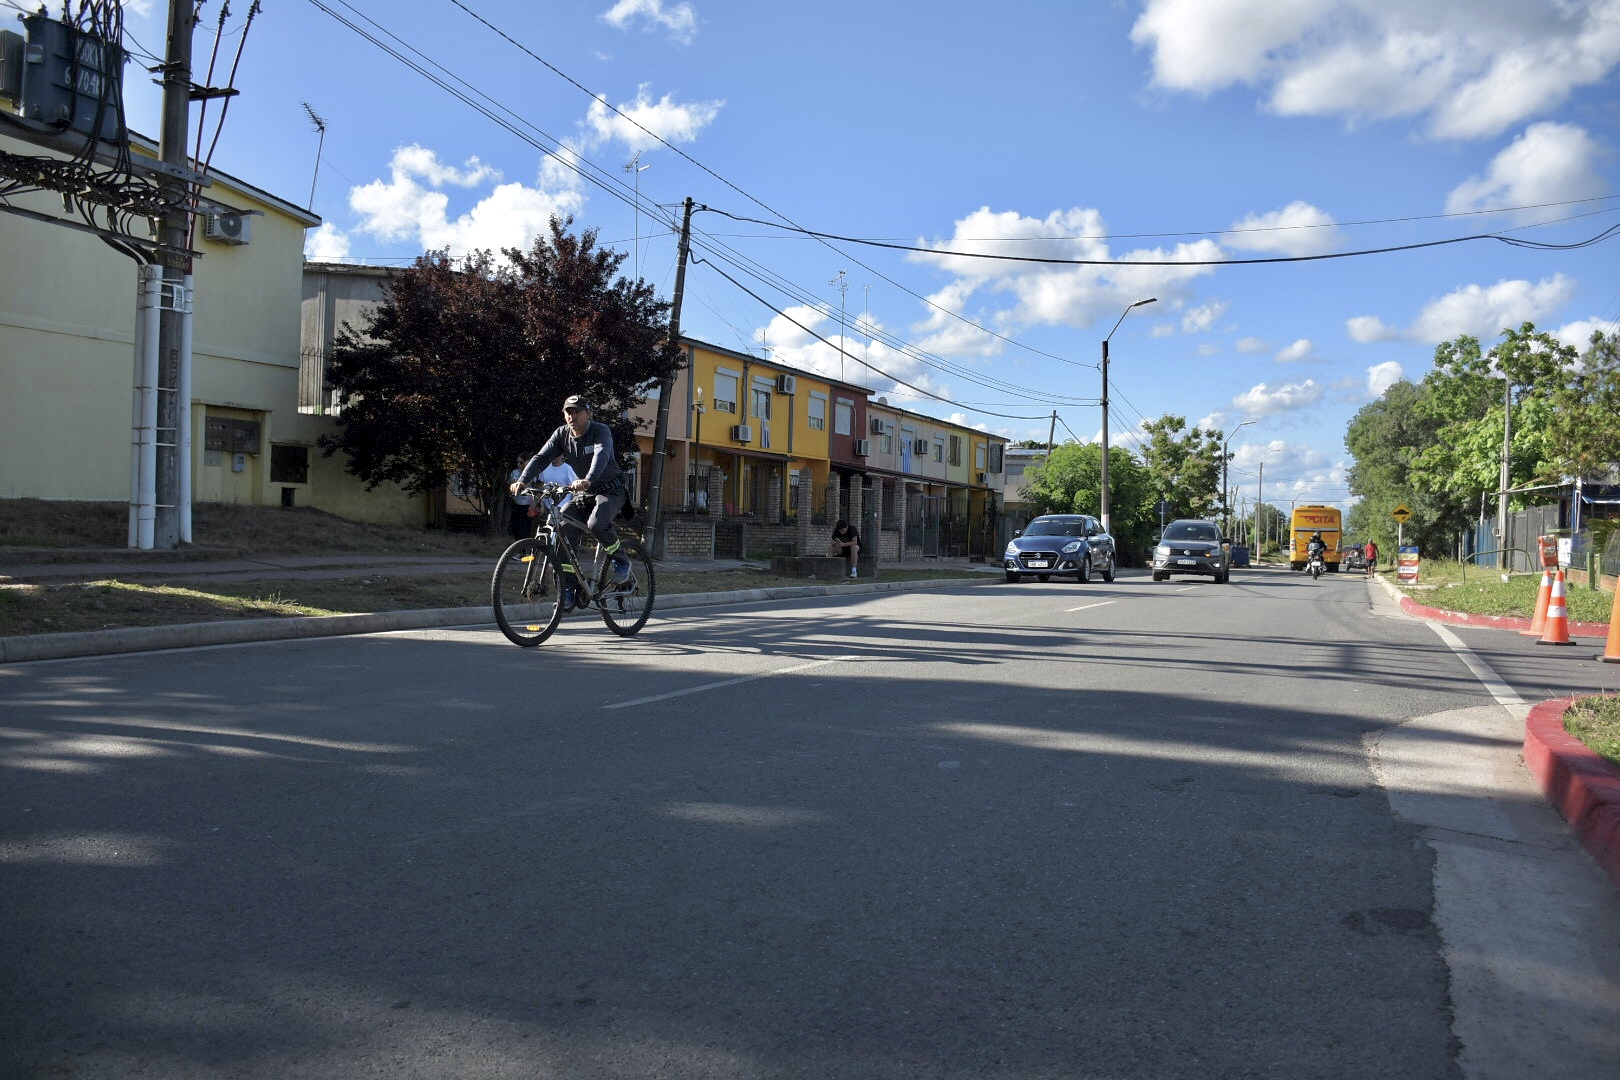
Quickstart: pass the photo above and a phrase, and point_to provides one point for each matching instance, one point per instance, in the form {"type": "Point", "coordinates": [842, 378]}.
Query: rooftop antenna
{"type": "Point", "coordinates": [320, 126]}
{"type": "Point", "coordinates": [637, 169]}
{"type": "Point", "coordinates": [843, 287]}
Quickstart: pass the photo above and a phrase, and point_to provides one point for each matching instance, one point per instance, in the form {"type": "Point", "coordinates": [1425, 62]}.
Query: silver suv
{"type": "Point", "coordinates": [1189, 546]}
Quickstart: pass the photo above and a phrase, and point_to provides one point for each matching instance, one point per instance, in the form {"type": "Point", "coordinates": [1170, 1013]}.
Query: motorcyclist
{"type": "Point", "coordinates": [1315, 548]}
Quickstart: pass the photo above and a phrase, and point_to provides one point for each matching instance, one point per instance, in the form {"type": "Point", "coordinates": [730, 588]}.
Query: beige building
{"type": "Point", "coordinates": [67, 346]}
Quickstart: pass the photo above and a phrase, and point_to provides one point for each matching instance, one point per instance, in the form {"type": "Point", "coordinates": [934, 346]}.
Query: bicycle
{"type": "Point", "coordinates": [531, 577]}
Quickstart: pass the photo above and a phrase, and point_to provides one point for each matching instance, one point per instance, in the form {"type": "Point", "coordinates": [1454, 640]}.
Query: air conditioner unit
{"type": "Point", "coordinates": [920, 446]}
{"type": "Point", "coordinates": [863, 447]}
{"type": "Point", "coordinates": [877, 426]}
{"type": "Point", "coordinates": [981, 478]}
{"type": "Point", "coordinates": [786, 384]}
{"type": "Point", "coordinates": [742, 433]}
{"type": "Point", "coordinates": [227, 228]}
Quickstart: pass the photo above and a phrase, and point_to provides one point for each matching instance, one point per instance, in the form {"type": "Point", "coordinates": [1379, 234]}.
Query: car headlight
{"type": "Point", "coordinates": [1072, 546]}
{"type": "Point", "coordinates": [1010, 553]}
{"type": "Point", "coordinates": [1162, 549]}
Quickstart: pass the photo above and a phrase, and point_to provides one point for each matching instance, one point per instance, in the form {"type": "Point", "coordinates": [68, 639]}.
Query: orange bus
{"type": "Point", "coordinates": [1314, 519]}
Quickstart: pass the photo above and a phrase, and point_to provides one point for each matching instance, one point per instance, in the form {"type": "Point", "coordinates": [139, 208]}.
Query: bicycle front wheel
{"type": "Point", "coordinates": [625, 605]}
{"type": "Point", "coordinates": [525, 593]}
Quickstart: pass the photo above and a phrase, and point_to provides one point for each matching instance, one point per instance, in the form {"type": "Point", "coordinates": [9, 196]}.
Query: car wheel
{"type": "Point", "coordinates": [1083, 573]}
{"type": "Point", "coordinates": [1108, 569]}
{"type": "Point", "coordinates": [1012, 578]}
{"type": "Point", "coordinates": [1043, 577]}
{"type": "Point", "coordinates": [1160, 577]}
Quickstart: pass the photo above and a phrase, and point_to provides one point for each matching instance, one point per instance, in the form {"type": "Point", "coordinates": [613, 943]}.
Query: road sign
{"type": "Point", "coordinates": [1400, 513]}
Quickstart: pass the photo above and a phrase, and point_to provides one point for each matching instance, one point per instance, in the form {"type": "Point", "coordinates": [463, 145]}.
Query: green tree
{"type": "Point", "coordinates": [1384, 437]}
{"type": "Point", "coordinates": [461, 370]}
{"type": "Point", "coordinates": [1183, 467]}
{"type": "Point", "coordinates": [1583, 421]}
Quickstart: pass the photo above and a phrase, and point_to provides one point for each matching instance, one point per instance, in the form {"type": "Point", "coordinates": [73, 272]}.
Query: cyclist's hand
{"type": "Point", "coordinates": [513, 487]}
{"type": "Point", "coordinates": [580, 485]}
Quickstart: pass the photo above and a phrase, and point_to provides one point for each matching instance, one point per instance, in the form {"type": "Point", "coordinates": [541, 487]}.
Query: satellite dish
{"type": "Point", "coordinates": [882, 401]}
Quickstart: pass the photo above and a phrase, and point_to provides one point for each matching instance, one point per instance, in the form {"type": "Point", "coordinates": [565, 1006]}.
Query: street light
{"type": "Point", "coordinates": [1103, 508]}
{"type": "Point", "coordinates": [1226, 494]}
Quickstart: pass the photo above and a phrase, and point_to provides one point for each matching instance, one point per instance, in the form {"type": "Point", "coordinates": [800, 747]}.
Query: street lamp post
{"type": "Point", "coordinates": [1226, 492]}
{"type": "Point", "coordinates": [697, 444]}
{"type": "Point", "coordinates": [1102, 509]}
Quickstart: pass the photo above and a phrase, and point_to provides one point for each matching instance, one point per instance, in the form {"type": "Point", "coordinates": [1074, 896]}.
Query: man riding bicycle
{"type": "Point", "coordinates": [586, 446]}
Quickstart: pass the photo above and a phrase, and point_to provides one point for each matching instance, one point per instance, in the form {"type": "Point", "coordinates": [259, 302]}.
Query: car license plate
{"type": "Point", "coordinates": [1039, 564]}
{"type": "Point", "coordinates": [1186, 562]}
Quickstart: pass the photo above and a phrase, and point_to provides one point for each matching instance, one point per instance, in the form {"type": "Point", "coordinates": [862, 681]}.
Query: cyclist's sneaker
{"type": "Point", "coordinates": [568, 598]}
{"type": "Point", "coordinates": [621, 569]}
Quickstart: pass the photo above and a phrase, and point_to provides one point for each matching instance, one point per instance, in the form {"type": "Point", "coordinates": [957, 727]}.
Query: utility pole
{"type": "Point", "coordinates": [1502, 529]}
{"type": "Point", "coordinates": [655, 545]}
{"type": "Point", "coordinates": [843, 287]}
{"type": "Point", "coordinates": [173, 423]}
{"type": "Point", "coordinates": [1051, 433]}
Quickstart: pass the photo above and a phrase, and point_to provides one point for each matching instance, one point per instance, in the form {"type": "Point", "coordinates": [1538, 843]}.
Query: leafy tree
{"type": "Point", "coordinates": [1183, 467]}
{"type": "Point", "coordinates": [1384, 437]}
{"type": "Point", "coordinates": [1583, 422]}
{"type": "Point", "coordinates": [462, 370]}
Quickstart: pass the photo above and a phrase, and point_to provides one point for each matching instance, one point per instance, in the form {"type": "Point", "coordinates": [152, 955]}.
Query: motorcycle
{"type": "Point", "coordinates": [1315, 566]}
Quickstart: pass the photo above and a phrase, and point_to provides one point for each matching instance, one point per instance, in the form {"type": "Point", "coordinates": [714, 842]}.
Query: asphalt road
{"type": "Point", "coordinates": [1114, 831]}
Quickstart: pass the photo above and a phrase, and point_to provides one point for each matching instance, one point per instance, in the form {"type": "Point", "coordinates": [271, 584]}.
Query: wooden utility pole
{"type": "Point", "coordinates": [655, 500]}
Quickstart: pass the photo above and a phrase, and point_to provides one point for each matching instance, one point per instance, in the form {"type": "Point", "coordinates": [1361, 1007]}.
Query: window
{"type": "Point", "coordinates": [978, 456]}
{"type": "Point", "coordinates": [956, 449]}
{"type": "Point", "coordinates": [762, 402]}
{"type": "Point", "coordinates": [289, 464]}
{"type": "Point", "coordinates": [939, 449]}
{"type": "Point", "coordinates": [817, 418]}
{"type": "Point", "coordinates": [844, 417]}
{"type": "Point", "coordinates": [886, 439]}
{"type": "Point", "coordinates": [725, 392]}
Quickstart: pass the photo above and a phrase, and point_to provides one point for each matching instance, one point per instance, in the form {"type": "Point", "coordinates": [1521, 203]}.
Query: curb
{"type": "Point", "coordinates": [1494, 622]}
{"type": "Point", "coordinates": [243, 631]}
{"type": "Point", "coordinates": [1582, 785]}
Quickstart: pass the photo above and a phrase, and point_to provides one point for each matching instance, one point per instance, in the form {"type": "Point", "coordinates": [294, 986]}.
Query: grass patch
{"type": "Point", "coordinates": [1485, 593]}
{"type": "Point", "coordinates": [109, 603]}
{"type": "Point", "coordinates": [1596, 722]}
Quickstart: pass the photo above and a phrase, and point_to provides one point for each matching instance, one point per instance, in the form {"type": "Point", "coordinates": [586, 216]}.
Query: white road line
{"type": "Point", "coordinates": [1501, 691]}
{"type": "Point", "coordinates": [726, 682]}
{"type": "Point", "coordinates": [1084, 607]}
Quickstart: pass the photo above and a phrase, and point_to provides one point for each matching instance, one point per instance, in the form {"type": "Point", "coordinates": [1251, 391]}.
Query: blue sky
{"type": "Point", "coordinates": [1147, 131]}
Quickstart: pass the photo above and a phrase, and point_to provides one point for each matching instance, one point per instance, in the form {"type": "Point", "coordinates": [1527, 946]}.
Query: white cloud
{"type": "Point", "coordinates": [1381, 377]}
{"type": "Point", "coordinates": [1207, 349]}
{"type": "Point", "coordinates": [1484, 311]}
{"type": "Point", "coordinates": [1297, 229]}
{"type": "Point", "coordinates": [680, 20]}
{"type": "Point", "coordinates": [1252, 346]}
{"type": "Point", "coordinates": [1548, 163]}
{"type": "Point", "coordinates": [1370, 328]}
{"type": "Point", "coordinates": [1470, 69]}
{"type": "Point", "coordinates": [326, 244]}
{"type": "Point", "coordinates": [641, 123]}
{"type": "Point", "coordinates": [1578, 334]}
{"type": "Point", "coordinates": [1299, 350]}
{"type": "Point", "coordinates": [1264, 400]}
{"type": "Point", "coordinates": [1201, 318]}
{"type": "Point", "coordinates": [409, 205]}
{"type": "Point", "coordinates": [1055, 295]}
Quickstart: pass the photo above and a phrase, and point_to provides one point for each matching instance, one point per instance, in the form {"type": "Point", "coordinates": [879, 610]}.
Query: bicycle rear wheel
{"type": "Point", "coordinates": [525, 593]}
{"type": "Point", "coordinates": [625, 606]}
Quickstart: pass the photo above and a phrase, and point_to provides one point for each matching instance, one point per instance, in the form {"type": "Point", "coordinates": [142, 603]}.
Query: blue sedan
{"type": "Point", "coordinates": [1060, 545]}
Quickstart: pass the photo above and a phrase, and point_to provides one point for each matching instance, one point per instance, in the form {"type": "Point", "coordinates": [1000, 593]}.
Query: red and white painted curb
{"type": "Point", "coordinates": [1584, 786]}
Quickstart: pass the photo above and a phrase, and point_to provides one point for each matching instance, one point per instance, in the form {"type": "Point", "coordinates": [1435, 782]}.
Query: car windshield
{"type": "Point", "coordinates": [1056, 527]}
{"type": "Point", "coordinates": [1192, 530]}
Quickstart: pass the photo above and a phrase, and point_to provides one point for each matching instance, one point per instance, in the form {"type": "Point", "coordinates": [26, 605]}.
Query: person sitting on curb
{"type": "Point", "coordinates": [846, 542]}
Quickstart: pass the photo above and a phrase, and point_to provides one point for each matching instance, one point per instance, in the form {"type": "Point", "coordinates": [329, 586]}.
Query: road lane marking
{"type": "Point", "coordinates": [1501, 691]}
{"type": "Point", "coordinates": [1084, 607]}
{"type": "Point", "coordinates": [727, 682]}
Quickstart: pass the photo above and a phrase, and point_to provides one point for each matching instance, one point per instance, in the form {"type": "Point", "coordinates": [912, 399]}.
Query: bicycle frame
{"type": "Point", "coordinates": [553, 529]}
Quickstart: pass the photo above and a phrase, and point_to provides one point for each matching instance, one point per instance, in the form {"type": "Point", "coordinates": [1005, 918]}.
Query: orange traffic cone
{"type": "Point", "coordinates": [1538, 624]}
{"type": "Point", "coordinates": [1557, 632]}
{"type": "Point", "coordinates": [1611, 655]}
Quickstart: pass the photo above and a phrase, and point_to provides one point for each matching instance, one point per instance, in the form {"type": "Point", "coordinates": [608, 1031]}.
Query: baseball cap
{"type": "Point", "coordinates": [576, 402]}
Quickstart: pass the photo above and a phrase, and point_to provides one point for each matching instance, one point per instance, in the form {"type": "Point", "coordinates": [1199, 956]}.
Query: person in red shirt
{"type": "Point", "coordinates": [1371, 551]}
